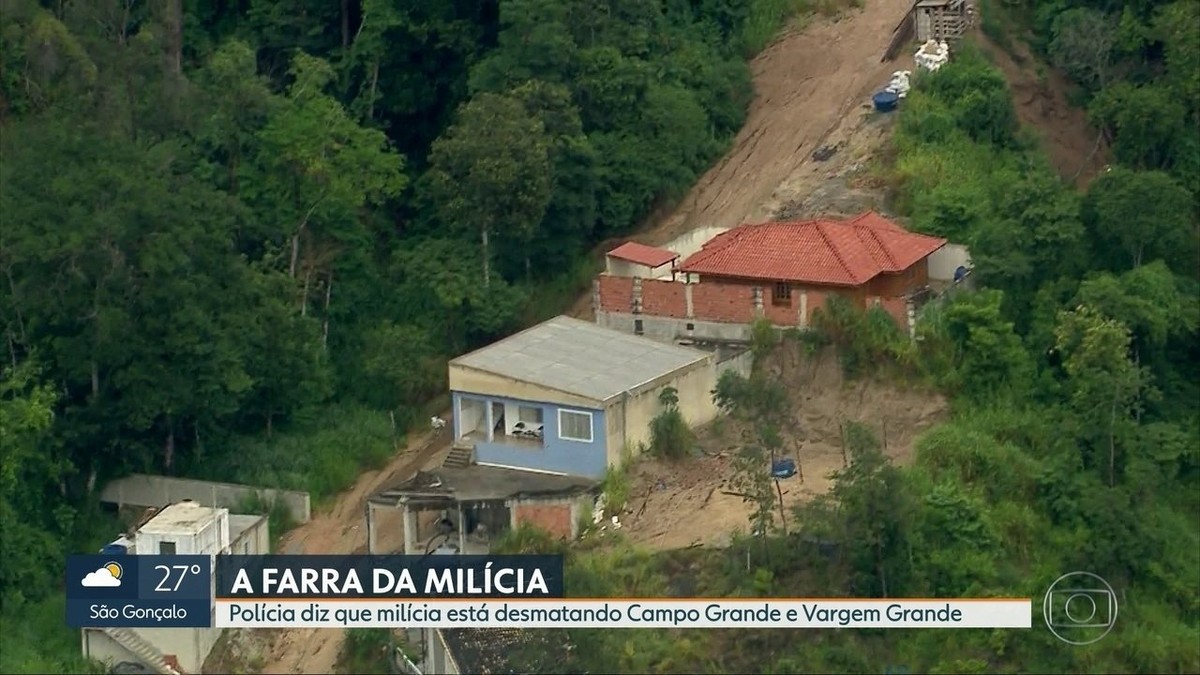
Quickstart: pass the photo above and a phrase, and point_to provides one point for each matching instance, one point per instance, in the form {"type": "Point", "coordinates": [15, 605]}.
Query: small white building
{"type": "Point", "coordinates": [632, 259]}
{"type": "Point", "coordinates": [182, 528]}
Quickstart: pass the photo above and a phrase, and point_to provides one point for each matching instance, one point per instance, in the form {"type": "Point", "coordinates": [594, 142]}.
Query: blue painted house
{"type": "Point", "coordinates": [570, 397]}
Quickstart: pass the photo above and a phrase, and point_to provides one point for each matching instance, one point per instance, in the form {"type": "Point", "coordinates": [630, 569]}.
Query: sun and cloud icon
{"type": "Point", "coordinates": [107, 576]}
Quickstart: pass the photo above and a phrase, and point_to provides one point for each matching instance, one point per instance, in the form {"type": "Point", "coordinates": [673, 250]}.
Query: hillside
{"type": "Point", "coordinates": [241, 240]}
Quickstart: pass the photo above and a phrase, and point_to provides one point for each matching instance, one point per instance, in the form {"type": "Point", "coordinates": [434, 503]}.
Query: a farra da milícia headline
{"type": "Point", "coordinates": [392, 576]}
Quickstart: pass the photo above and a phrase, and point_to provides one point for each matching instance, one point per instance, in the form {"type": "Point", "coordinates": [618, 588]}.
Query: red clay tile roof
{"type": "Point", "coordinates": [835, 253]}
{"type": "Point", "coordinates": [643, 254]}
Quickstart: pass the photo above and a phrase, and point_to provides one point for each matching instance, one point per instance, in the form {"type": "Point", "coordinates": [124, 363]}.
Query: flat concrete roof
{"type": "Point", "coordinates": [481, 483]}
{"type": "Point", "coordinates": [580, 358]}
{"type": "Point", "coordinates": [181, 518]}
{"type": "Point", "coordinates": [239, 524]}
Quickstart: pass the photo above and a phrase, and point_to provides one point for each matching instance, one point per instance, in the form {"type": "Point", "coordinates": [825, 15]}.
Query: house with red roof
{"type": "Point", "coordinates": [781, 271]}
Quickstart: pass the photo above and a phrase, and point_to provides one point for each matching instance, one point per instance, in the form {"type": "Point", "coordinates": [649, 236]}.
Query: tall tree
{"type": "Point", "coordinates": [1105, 383]}
{"type": "Point", "coordinates": [491, 172]}
{"type": "Point", "coordinates": [317, 168]}
{"type": "Point", "coordinates": [1140, 216]}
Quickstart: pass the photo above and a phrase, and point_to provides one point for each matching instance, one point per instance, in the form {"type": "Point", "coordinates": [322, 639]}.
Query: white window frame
{"type": "Point", "coordinates": [591, 426]}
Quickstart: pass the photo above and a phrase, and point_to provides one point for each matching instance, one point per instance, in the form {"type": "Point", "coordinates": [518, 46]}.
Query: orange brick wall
{"type": "Point", "coordinates": [616, 293]}
{"type": "Point", "coordinates": [663, 298]}
{"type": "Point", "coordinates": [553, 518]}
{"type": "Point", "coordinates": [895, 285]}
{"type": "Point", "coordinates": [718, 301]}
{"type": "Point", "coordinates": [781, 315]}
{"type": "Point", "coordinates": [732, 301]}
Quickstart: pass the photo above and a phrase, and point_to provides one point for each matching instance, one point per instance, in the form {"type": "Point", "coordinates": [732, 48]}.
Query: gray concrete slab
{"type": "Point", "coordinates": [581, 358]}
{"type": "Point", "coordinates": [480, 483]}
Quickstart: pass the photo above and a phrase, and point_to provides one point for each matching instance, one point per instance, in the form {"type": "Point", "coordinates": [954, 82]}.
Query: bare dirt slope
{"type": "Point", "coordinates": [679, 504]}
{"type": "Point", "coordinates": [1041, 102]}
{"type": "Point", "coordinates": [805, 84]}
{"type": "Point", "coordinates": [340, 530]}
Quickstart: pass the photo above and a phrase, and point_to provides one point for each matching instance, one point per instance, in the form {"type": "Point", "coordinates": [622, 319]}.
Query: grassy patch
{"type": "Point", "coordinates": [37, 640]}
{"type": "Point", "coordinates": [551, 298]}
{"type": "Point", "coordinates": [322, 455]}
{"type": "Point", "coordinates": [765, 18]}
{"type": "Point", "coordinates": [616, 490]}
{"type": "Point", "coordinates": [366, 651]}
{"type": "Point", "coordinates": [995, 24]}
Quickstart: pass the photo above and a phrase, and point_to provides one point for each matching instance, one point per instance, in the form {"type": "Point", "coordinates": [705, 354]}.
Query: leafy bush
{"type": "Point", "coordinates": [670, 435]}
{"type": "Point", "coordinates": [322, 456]}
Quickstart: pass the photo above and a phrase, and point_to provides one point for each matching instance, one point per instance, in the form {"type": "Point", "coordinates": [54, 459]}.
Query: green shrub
{"type": "Point", "coordinates": [366, 650]}
{"type": "Point", "coordinates": [616, 489]}
{"type": "Point", "coordinates": [323, 456]}
{"type": "Point", "coordinates": [670, 435]}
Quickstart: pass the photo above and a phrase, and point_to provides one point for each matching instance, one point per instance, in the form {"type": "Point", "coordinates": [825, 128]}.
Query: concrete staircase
{"type": "Point", "coordinates": [461, 456]}
{"type": "Point", "coordinates": [145, 652]}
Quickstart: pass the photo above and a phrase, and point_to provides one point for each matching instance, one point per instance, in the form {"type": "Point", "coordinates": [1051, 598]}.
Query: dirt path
{"type": "Point", "coordinates": [805, 84]}
{"type": "Point", "coordinates": [341, 530]}
{"type": "Point", "coordinates": [1040, 96]}
{"type": "Point", "coordinates": [680, 504]}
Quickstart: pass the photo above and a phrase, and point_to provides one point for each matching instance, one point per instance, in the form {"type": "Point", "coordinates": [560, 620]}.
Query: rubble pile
{"type": "Point", "coordinates": [933, 55]}
{"type": "Point", "coordinates": [899, 84]}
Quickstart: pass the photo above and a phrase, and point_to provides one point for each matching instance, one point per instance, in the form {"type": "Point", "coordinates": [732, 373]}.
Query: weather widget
{"type": "Point", "coordinates": [139, 591]}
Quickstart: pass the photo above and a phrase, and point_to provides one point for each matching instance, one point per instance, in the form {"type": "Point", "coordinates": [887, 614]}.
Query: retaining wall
{"type": "Point", "coordinates": [158, 491]}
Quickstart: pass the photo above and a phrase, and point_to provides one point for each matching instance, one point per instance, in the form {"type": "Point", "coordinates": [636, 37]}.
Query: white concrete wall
{"type": "Point", "coordinates": [99, 646]}
{"type": "Point", "coordinates": [624, 268]}
{"type": "Point", "coordinates": [157, 491]}
{"type": "Point", "coordinates": [470, 415]}
{"type": "Point", "coordinates": [212, 539]}
{"type": "Point", "coordinates": [437, 658]}
{"type": "Point", "coordinates": [253, 540]}
{"type": "Point", "coordinates": [189, 645]}
{"type": "Point", "coordinates": [693, 241]}
{"type": "Point", "coordinates": [945, 260]}
{"type": "Point", "coordinates": [694, 389]}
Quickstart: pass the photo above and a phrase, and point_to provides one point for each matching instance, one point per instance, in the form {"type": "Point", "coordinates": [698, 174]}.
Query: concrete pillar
{"type": "Point", "coordinates": [803, 318]}
{"type": "Point", "coordinates": [487, 416]}
{"type": "Point", "coordinates": [370, 528]}
{"type": "Point", "coordinates": [637, 295]}
{"type": "Point", "coordinates": [687, 296]}
{"type": "Point", "coordinates": [410, 531]}
{"type": "Point", "coordinates": [462, 530]}
{"type": "Point", "coordinates": [596, 299]}
{"type": "Point", "coordinates": [758, 301]}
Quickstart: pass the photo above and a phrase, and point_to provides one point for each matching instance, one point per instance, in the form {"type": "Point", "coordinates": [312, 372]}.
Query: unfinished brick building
{"type": "Point", "coordinates": [782, 271]}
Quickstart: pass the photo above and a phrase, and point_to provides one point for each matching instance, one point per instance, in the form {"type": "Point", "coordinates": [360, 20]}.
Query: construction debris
{"type": "Point", "coordinates": [933, 55]}
{"type": "Point", "coordinates": [899, 84]}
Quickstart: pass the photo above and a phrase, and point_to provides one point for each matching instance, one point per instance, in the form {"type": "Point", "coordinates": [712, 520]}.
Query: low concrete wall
{"type": "Point", "coordinates": [946, 259]}
{"type": "Point", "coordinates": [740, 364]}
{"type": "Point", "coordinates": [693, 241]}
{"type": "Point", "coordinates": [667, 329]}
{"type": "Point", "coordinates": [157, 491]}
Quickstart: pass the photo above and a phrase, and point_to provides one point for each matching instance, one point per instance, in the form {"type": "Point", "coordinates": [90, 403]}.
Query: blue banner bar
{"type": "Point", "coordinates": [139, 591]}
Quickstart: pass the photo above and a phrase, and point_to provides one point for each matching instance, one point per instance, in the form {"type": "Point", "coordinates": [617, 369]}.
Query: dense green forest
{"type": "Point", "coordinates": [240, 239]}
{"type": "Point", "coordinates": [235, 236]}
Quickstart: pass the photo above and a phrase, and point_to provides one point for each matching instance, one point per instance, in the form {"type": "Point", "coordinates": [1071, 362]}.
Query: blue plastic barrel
{"type": "Point", "coordinates": [885, 101]}
{"type": "Point", "coordinates": [783, 468]}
